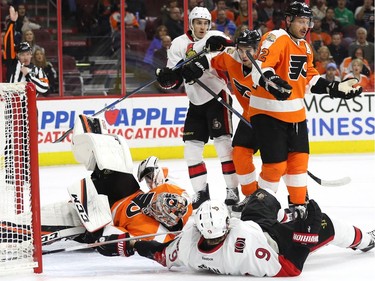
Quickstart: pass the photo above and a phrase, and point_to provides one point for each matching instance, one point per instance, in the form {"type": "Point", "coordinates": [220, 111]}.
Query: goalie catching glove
{"type": "Point", "coordinates": [276, 86]}
{"type": "Point", "coordinates": [217, 43]}
{"type": "Point", "coordinates": [122, 248]}
{"type": "Point", "coordinates": [195, 69]}
{"type": "Point", "coordinates": [168, 78]}
{"type": "Point", "coordinates": [342, 90]}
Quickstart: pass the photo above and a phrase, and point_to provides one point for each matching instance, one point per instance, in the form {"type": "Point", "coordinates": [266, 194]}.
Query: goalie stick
{"type": "Point", "coordinates": [328, 183]}
{"type": "Point", "coordinates": [97, 244]}
{"type": "Point", "coordinates": [177, 66]}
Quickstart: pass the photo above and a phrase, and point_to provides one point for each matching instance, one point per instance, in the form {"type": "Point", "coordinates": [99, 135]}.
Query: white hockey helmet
{"type": "Point", "coordinates": [151, 172]}
{"type": "Point", "coordinates": [199, 13]}
{"type": "Point", "coordinates": [212, 219]}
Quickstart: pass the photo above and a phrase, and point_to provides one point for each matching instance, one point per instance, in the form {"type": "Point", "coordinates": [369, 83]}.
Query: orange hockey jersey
{"type": "Point", "coordinates": [241, 82]}
{"type": "Point", "coordinates": [127, 213]}
{"type": "Point", "coordinates": [293, 62]}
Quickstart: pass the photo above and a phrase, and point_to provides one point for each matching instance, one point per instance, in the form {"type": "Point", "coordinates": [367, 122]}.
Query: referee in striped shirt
{"type": "Point", "coordinates": [24, 70]}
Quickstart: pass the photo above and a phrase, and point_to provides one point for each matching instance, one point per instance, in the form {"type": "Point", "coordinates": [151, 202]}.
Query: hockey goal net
{"type": "Point", "coordinates": [20, 239]}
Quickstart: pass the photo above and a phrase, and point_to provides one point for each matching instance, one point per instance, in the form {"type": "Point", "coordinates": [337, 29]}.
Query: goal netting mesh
{"type": "Point", "coordinates": [19, 179]}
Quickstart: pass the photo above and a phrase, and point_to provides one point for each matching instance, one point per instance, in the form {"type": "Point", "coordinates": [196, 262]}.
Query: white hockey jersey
{"type": "Point", "coordinates": [245, 251]}
{"type": "Point", "coordinates": [215, 80]}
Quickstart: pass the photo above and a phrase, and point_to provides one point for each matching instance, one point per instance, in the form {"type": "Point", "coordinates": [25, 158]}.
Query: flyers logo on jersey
{"type": "Point", "coordinates": [297, 67]}
{"type": "Point", "coordinates": [271, 37]}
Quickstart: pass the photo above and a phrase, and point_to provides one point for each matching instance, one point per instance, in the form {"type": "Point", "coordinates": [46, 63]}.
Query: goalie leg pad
{"type": "Point", "coordinates": [106, 151]}
{"type": "Point", "coordinates": [93, 209]}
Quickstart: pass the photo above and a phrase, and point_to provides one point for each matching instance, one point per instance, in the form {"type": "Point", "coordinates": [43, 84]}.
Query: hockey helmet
{"type": "Point", "coordinates": [23, 47]}
{"type": "Point", "coordinates": [212, 219]}
{"type": "Point", "coordinates": [299, 9]}
{"type": "Point", "coordinates": [248, 38]}
{"type": "Point", "coordinates": [199, 13]}
{"type": "Point", "coordinates": [151, 172]}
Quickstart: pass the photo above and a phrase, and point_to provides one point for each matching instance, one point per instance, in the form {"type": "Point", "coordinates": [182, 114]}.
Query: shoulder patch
{"type": "Point", "coordinates": [271, 37]}
{"type": "Point", "coordinates": [231, 50]}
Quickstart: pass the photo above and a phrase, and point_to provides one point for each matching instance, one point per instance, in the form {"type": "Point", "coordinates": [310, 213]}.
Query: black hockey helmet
{"type": "Point", "coordinates": [299, 9]}
{"type": "Point", "coordinates": [23, 47]}
{"type": "Point", "coordinates": [248, 38]}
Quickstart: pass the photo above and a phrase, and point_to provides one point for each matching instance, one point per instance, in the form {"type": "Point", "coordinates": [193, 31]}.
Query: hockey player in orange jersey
{"type": "Point", "coordinates": [234, 60]}
{"type": "Point", "coordinates": [276, 106]}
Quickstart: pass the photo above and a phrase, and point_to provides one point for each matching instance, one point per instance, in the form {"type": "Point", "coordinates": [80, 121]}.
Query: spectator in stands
{"type": "Point", "coordinates": [364, 81]}
{"type": "Point", "coordinates": [166, 9]}
{"type": "Point", "coordinates": [361, 41]}
{"type": "Point", "coordinates": [323, 59]}
{"type": "Point", "coordinates": [239, 30]}
{"type": "Point", "coordinates": [329, 23]}
{"type": "Point", "coordinates": [138, 8]}
{"type": "Point", "coordinates": [346, 66]}
{"type": "Point", "coordinates": [331, 73]}
{"type": "Point", "coordinates": [364, 15]}
{"type": "Point", "coordinates": [343, 14]}
{"type": "Point", "coordinates": [39, 60]}
{"type": "Point", "coordinates": [224, 24]}
{"type": "Point", "coordinates": [265, 12]}
{"type": "Point", "coordinates": [277, 21]}
{"type": "Point", "coordinates": [160, 56]}
{"type": "Point", "coordinates": [115, 18]}
{"type": "Point", "coordinates": [242, 17]}
{"type": "Point", "coordinates": [29, 37]}
{"type": "Point", "coordinates": [221, 5]}
{"type": "Point", "coordinates": [338, 51]}
{"type": "Point", "coordinates": [174, 23]}
{"type": "Point", "coordinates": [318, 37]}
{"type": "Point", "coordinates": [319, 10]}
{"type": "Point", "coordinates": [23, 21]}
{"type": "Point", "coordinates": [156, 43]}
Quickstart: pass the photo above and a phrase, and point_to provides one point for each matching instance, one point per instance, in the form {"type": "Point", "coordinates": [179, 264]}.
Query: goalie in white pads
{"type": "Point", "coordinates": [132, 212]}
{"type": "Point", "coordinates": [256, 245]}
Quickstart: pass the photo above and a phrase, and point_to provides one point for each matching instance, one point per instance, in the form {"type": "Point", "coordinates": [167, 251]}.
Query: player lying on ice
{"type": "Point", "coordinates": [256, 245]}
{"type": "Point", "coordinates": [109, 204]}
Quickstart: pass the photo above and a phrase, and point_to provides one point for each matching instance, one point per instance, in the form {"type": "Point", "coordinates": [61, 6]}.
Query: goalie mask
{"type": "Point", "coordinates": [212, 219]}
{"type": "Point", "coordinates": [167, 208]}
{"type": "Point", "coordinates": [149, 171]}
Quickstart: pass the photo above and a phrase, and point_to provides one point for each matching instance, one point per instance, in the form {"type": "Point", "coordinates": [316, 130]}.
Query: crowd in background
{"type": "Point", "coordinates": [342, 37]}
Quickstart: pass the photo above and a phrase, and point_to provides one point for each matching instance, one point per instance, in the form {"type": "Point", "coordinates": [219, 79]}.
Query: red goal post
{"type": "Point", "coordinates": [20, 232]}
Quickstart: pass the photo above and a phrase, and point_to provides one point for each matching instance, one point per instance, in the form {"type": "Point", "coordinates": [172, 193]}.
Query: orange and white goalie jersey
{"type": "Point", "coordinates": [293, 62]}
{"type": "Point", "coordinates": [245, 251]}
{"type": "Point", "coordinates": [229, 60]}
{"type": "Point", "coordinates": [128, 217]}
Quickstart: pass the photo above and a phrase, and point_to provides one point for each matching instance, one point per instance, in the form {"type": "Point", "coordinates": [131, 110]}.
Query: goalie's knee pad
{"type": "Point", "coordinates": [85, 124]}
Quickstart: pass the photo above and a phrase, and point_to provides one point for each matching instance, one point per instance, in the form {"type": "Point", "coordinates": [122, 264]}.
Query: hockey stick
{"type": "Point", "coordinates": [338, 182]}
{"type": "Point", "coordinates": [219, 99]}
{"type": "Point", "coordinates": [97, 244]}
{"type": "Point", "coordinates": [177, 66]}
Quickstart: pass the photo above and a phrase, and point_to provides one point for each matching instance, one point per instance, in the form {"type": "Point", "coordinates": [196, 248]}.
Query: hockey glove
{"type": "Point", "coordinates": [123, 248]}
{"type": "Point", "coordinates": [168, 78]}
{"type": "Point", "coordinates": [276, 86]}
{"type": "Point", "coordinates": [344, 89]}
{"type": "Point", "coordinates": [153, 250]}
{"type": "Point", "coordinates": [194, 69]}
{"type": "Point", "coordinates": [217, 43]}
{"type": "Point", "coordinates": [307, 225]}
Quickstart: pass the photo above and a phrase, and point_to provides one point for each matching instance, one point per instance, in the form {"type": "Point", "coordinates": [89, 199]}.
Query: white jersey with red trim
{"type": "Point", "coordinates": [183, 47]}
{"type": "Point", "coordinates": [245, 251]}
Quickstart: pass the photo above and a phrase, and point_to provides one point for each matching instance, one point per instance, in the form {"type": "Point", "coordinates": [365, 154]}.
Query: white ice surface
{"type": "Point", "coordinates": [354, 203]}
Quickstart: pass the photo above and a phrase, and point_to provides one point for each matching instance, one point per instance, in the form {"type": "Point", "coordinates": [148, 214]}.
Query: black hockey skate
{"type": "Point", "coordinates": [200, 197]}
{"type": "Point", "coordinates": [232, 196]}
{"type": "Point", "coordinates": [239, 207]}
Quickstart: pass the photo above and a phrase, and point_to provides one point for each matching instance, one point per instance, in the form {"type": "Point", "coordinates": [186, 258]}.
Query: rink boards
{"type": "Point", "coordinates": [153, 125]}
